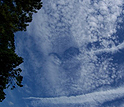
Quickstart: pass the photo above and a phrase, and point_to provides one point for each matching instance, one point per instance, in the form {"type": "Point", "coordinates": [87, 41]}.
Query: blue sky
{"type": "Point", "coordinates": [73, 56]}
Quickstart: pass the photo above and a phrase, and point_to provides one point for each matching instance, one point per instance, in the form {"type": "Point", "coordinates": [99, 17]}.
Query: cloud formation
{"type": "Point", "coordinates": [94, 98]}
{"type": "Point", "coordinates": [63, 26]}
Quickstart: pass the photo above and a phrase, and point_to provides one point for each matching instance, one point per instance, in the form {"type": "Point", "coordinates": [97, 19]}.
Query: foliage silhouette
{"type": "Point", "coordinates": [15, 16]}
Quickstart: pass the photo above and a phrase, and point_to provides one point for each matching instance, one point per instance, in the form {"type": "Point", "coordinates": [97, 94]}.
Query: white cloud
{"type": "Point", "coordinates": [61, 24]}
{"type": "Point", "coordinates": [113, 49]}
{"type": "Point", "coordinates": [91, 98]}
{"type": "Point", "coordinates": [11, 103]}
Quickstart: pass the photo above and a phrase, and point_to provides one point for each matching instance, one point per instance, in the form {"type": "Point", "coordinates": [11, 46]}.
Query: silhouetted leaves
{"type": "Point", "coordinates": [15, 16]}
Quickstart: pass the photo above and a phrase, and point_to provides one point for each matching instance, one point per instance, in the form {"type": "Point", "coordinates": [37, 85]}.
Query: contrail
{"type": "Point", "coordinates": [114, 49]}
{"type": "Point", "coordinates": [95, 97]}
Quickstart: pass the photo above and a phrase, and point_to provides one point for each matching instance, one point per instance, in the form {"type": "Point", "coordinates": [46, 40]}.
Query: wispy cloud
{"type": "Point", "coordinates": [112, 50]}
{"type": "Point", "coordinates": [62, 24]}
{"type": "Point", "coordinates": [11, 103]}
{"type": "Point", "coordinates": [91, 98]}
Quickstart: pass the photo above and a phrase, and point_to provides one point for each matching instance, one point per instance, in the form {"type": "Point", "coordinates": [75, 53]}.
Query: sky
{"type": "Point", "coordinates": [73, 56]}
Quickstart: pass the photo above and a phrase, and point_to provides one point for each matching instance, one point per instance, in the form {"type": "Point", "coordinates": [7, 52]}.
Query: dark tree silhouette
{"type": "Point", "coordinates": [14, 15]}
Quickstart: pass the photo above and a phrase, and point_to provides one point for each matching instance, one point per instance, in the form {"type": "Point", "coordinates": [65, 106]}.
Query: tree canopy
{"type": "Point", "coordinates": [15, 16]}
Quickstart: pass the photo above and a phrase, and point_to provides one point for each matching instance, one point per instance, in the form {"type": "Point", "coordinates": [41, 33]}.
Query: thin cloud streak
{"type": "Point", "coordinates": [112, 50]}
{"type": "Point", "coordinates": [95, 97]}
